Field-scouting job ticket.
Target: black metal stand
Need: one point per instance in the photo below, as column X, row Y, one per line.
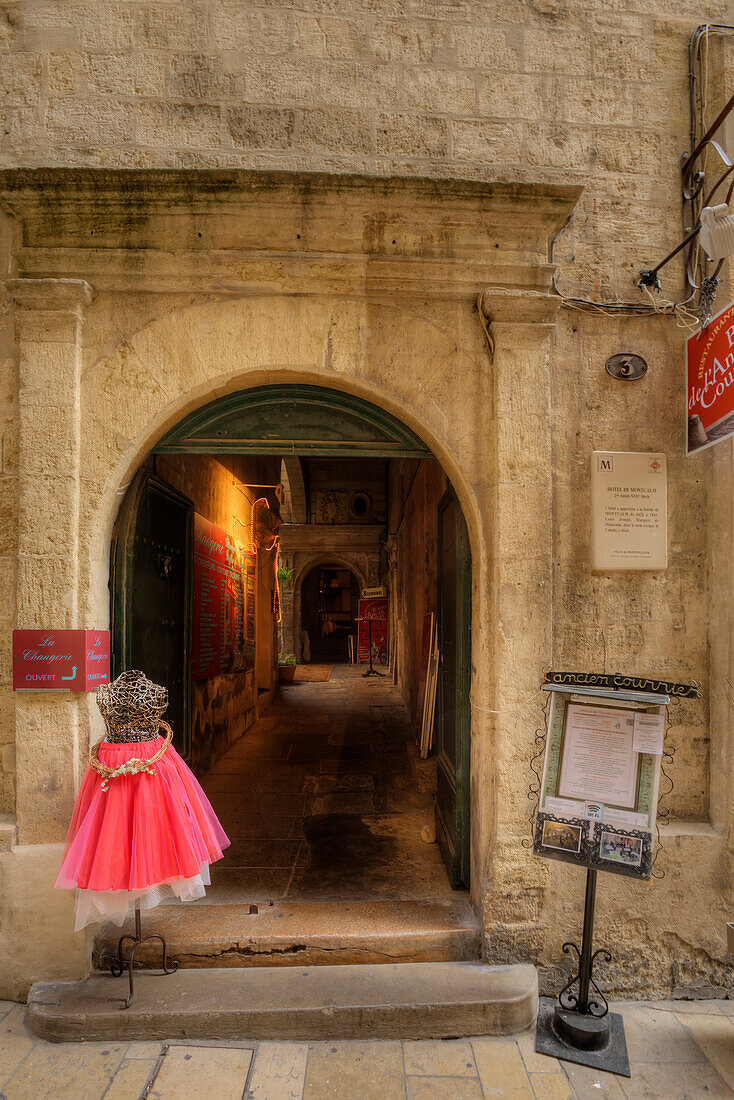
column 371, row 671
column 579, row 1026
column 118, row 965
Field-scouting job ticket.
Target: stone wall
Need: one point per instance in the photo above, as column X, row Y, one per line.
column 345, row 479
column 551, row 93
column 223, row 706
column 541, row 90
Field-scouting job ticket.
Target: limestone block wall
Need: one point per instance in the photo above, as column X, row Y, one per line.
column 541, row 91
column 223, row 706
column 538, row 90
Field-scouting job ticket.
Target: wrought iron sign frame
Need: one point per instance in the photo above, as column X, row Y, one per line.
column 577, row 1024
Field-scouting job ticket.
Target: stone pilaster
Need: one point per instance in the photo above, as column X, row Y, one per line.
column 520, row 603
column 49, row 317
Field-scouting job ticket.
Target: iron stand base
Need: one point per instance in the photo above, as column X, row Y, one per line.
column 119, row 965
column 587, row 1040
column 371, row 671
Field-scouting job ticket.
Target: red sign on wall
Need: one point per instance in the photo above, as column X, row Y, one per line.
column 60, row 660
column 222, row 614
column 710, row 360
column 372, row 612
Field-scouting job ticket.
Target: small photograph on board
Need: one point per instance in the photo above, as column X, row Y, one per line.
column 562, row 836
column 623, row 851
column 617, row 848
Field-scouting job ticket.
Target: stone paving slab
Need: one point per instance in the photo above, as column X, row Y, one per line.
column 449, row 1069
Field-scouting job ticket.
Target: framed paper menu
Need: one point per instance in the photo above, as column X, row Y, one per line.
column 598, row 796
column 599, row 762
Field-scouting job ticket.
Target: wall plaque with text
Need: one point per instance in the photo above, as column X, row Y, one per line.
column 629, row 513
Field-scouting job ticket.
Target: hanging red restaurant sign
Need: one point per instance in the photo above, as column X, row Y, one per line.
column 710, row 364
column 60, row 660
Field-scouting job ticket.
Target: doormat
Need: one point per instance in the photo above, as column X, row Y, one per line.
column 312, row 674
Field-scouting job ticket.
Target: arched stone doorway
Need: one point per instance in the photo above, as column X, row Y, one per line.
column 298, row 563
column 138, row 347
column 236, row 444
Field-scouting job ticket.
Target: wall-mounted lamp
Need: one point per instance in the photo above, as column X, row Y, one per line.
column 717, row 231
column 715, row 223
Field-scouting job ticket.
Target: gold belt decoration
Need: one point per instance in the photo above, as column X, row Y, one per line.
column 133, row 766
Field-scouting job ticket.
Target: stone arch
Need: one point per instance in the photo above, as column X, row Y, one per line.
column 306, row 563
column 416, row 365
column 349, row 561
column 180, row 362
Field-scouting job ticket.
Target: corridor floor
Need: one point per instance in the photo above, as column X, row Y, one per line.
column 322, row 802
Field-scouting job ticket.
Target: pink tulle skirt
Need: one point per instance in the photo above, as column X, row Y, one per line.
column 147, row 836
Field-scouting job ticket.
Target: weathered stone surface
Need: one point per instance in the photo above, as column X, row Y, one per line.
column 430, row 1058
column 180, row 124
column 279, row 1072
column 27, row 875
column 547, row 92
column 73, row 1068
column 261, row 127
column 372, row 1069
column 224, row 1069
column 307, row 934
column 408, row 1000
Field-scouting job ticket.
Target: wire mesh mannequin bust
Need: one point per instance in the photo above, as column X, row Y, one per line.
column 142, row 828
column 132, row 707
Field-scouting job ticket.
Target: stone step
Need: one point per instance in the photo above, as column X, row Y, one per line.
column 304, row 934
column 399, row 1000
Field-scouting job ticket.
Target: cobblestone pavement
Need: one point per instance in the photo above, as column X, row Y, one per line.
column 678, row 1051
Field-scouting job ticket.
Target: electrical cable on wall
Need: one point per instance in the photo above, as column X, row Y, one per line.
column 685, row 318
column 687, row 315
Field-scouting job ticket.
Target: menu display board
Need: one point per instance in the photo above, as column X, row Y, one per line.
column 598, row 761
column 221, row 612
column 598, row 797
column 374, row 611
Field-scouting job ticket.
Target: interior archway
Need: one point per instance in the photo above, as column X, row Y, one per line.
column 329, row 613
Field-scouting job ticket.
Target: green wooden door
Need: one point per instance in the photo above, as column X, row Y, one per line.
column 452, row 701
column 151, row 594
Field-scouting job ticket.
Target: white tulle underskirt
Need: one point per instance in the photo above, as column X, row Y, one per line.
column 93, row 906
